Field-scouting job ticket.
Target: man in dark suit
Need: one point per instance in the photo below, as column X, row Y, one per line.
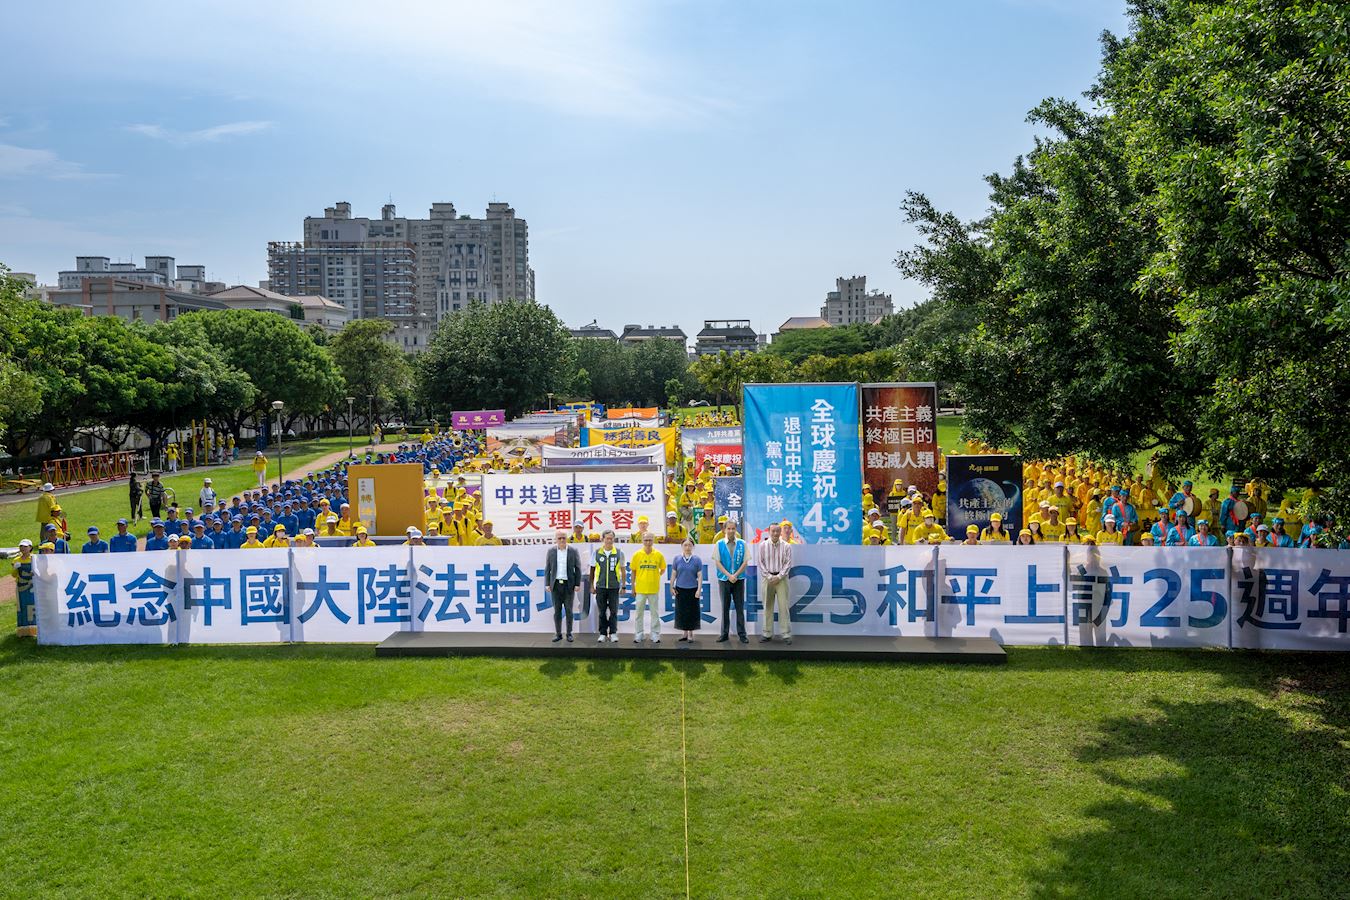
column 563, row 581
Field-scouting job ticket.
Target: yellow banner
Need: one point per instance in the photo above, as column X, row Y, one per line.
column 634, row 437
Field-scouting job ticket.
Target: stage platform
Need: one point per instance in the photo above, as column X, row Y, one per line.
column 703, row 647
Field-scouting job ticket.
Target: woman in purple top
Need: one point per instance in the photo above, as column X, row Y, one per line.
column 686, row 575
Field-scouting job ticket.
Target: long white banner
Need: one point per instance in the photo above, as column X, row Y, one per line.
column 1039, row 596
column 604, row 454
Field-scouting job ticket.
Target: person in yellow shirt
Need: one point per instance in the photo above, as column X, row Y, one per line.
column 707, row 526
column 46, row 502
column 172, row 456
column 643, row 529
column 260, row 468
column 972, row 535
column 1109, row 534
column 648, row 565
column 929, row 531
column 251, row 542
column 675, row 533
column 278, row 538
column 362, row 538
column 346, row 525
column 1071, row 533
column 995, row 533
column 487, row 538
column 1052, row 529
column 939, row 504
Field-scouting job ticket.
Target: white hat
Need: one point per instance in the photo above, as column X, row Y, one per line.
column 1059, row 484
column 25, row 543
column 206, row 481
column 48, row 487
column 308, row 531
column 413, row 529
column 1111, row 519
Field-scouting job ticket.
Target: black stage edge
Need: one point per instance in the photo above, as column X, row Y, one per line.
column 704, row 647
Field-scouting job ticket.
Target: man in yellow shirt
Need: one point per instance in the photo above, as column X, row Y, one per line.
column 674, row 530
column 346, row 525
column 1061, row 501
column 647, row 566
column 939, row 504
column 1052, row 530
column 928, row 531
column 487, row 538
column 46, row 502
column 252, row 542
column 362, row 538
column 643, row 529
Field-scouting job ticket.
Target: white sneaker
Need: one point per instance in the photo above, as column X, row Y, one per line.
column 614, row 638
column 600, row 640
column 657, row 639
column 637, row 638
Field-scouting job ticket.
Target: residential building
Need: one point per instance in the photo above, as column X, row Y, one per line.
column 422, row 269
column 159, row 271
column 731, row 335
column 801, row 323
column 850, row 303
column 636, row 334
column 594, row 332
column 132, row 300
column 329, row 315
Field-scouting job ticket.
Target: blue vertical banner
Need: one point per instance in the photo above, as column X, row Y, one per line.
column 803, row 460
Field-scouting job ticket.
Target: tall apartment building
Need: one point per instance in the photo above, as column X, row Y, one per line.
column 412, row 272
column 158, row 271
column 850, row 303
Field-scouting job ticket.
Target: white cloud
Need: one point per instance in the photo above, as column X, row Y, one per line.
column 34, row 162
column 201, row 135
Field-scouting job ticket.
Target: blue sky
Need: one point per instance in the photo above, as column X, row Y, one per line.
column 676, row 160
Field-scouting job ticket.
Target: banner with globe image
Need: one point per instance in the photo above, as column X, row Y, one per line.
column 978, row 487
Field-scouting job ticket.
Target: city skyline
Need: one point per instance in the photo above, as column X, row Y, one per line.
column 676, row 162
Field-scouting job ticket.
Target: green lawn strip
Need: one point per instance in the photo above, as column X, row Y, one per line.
column 315, row 769
column 104, row 506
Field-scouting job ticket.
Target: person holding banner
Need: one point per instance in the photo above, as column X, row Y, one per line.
column 647, row 565
column 774, row 561
column 562, row 571
column 972, row 536
column 606, row 582
column 22, row 570
column 1202, row 537
column 731, row 562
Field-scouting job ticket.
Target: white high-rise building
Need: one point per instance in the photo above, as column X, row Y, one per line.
column 444, row 263
column 850, row 303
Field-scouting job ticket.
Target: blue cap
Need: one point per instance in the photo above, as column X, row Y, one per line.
column 1115, row 487
column 1187, row 483
column 122, row 522
column 188, row 510
column 1125, row 491
column 196, row 525
column 1230, row 533
column 93, row 529
column 49, row 527
column 156, row 522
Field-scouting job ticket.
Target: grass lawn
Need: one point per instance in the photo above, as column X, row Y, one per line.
column 319, row 770
column 104, row 506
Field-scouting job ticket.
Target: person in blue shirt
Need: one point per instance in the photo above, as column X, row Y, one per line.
column 1253, row 523
column 1202, row 537
column 94, row 544
column 172, row 524
column 199, row 539
column 1127, row 516
column 218, row 535
column 190, row 520
column 235, row 537
column 157, row 539
column 1227, row 517
column 1180, row 534
column 730, row 564
column 1160, row 528
column 307, row 514
column 52, row 536
column 1278, row 536
column 123, row 541
column 288, row 519
column 1179, row 498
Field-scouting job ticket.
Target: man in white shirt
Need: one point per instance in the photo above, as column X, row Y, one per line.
column 207, row 495
column 774, row 561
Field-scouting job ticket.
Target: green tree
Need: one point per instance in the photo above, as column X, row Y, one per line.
column 609, row 369
column 504, row 355
column 1237, row 113
column 20, row 389
column 655, row 363
column 371, row 365
column 282, row 361
column 836, row 341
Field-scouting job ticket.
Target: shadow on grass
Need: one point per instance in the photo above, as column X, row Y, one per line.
column 1218, row 798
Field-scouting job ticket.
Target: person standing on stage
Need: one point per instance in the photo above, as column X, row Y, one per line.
column 562, row 571
column 648, row 565
column 774, row 561
column 731, row 562
column 687, row 576
column 606, row 582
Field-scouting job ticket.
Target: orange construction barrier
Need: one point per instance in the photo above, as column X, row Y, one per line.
column 90, row 468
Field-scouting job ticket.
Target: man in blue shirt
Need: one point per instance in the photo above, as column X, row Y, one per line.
column 157, row 539
column 52, row 536
column 172, row 524
column 1128, row 517
column 218, row 535
column 94, row 544
column 307, row 514
column 288, row 519
column 730, row 565
column 235, row 537
column 199, row 539
column 1228, row 519
column 123, row 541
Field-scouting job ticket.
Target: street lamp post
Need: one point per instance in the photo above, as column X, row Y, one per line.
column 350, row 400
column 550, row 401
column 370, row 417
column 276, row 405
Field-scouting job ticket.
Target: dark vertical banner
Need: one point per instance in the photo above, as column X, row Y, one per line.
column 978, row 487
column 899, row 438
column 803, row 460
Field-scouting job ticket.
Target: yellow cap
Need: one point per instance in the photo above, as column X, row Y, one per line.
column 252, row 529
column 972, row 529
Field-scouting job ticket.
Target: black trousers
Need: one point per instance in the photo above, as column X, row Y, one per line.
column 562, row 600
column 607, row 610
column 733, row 593
column 155, row 507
